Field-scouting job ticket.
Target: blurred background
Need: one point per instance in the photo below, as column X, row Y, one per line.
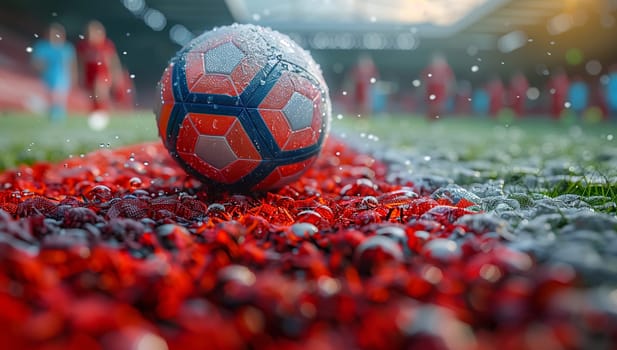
column 486, row 43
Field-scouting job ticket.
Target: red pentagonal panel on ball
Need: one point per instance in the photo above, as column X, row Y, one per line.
column 284, row 175
column 166, row 102
column 279, row 94
column 194, row 68
column 304, row 86
column 241, row 143
column 199, row 81
column 245, row 72
column 238, row 169
column 277, row 124
column 211, row 124
column 301, row 139
column 214, row 84
column 187, row 136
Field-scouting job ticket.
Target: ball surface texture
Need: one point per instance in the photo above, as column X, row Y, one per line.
column 243, row 107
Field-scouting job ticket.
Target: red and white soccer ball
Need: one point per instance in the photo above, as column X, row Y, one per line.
column 243, row 107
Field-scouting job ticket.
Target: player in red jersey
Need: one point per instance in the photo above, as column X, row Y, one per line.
column 439, row 83
column 558, row 85
column 496, row 92
column 99, row 65
column 123, row 91
column 518, row 93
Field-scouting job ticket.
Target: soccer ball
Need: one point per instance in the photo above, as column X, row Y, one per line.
column 243, row 107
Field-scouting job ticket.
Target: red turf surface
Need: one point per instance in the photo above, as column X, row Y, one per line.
column 121, row 250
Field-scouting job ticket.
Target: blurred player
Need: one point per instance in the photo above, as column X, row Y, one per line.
column 123, row 91
column 99, row 65
column 363, row 75
column 496, row 93
column 558, row 87
column 518, row 94
column 438, row 81
column 578, row 95
column 611, row 91
column 463, row 97
column 480, row 102
column 54, row 58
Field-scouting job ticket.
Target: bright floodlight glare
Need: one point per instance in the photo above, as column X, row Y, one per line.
column 320, row 41
column 374, row 41
column 406, row 41
column 560, row 24
column 533, row 93
column 593, row 67
column 155, row 19
column 512, row 41
column 135, row 6
column 435, row 12
column 344, row 41
column 180, row 34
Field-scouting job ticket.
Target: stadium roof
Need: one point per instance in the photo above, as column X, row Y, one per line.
column 439, row 17
column 500, row 36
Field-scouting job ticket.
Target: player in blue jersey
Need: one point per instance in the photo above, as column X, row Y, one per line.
column 54, row 58
column 611, row 91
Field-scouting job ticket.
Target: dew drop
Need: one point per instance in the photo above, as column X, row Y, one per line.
column 135, row 183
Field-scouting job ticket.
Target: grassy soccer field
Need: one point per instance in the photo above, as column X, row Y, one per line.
column 531, row 155
column 27, row 138
column 565, row 158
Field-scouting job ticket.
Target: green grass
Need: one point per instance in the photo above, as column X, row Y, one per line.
column 567, row 157
column 25, row 138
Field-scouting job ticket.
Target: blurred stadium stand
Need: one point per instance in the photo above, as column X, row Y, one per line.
column 499, row 36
